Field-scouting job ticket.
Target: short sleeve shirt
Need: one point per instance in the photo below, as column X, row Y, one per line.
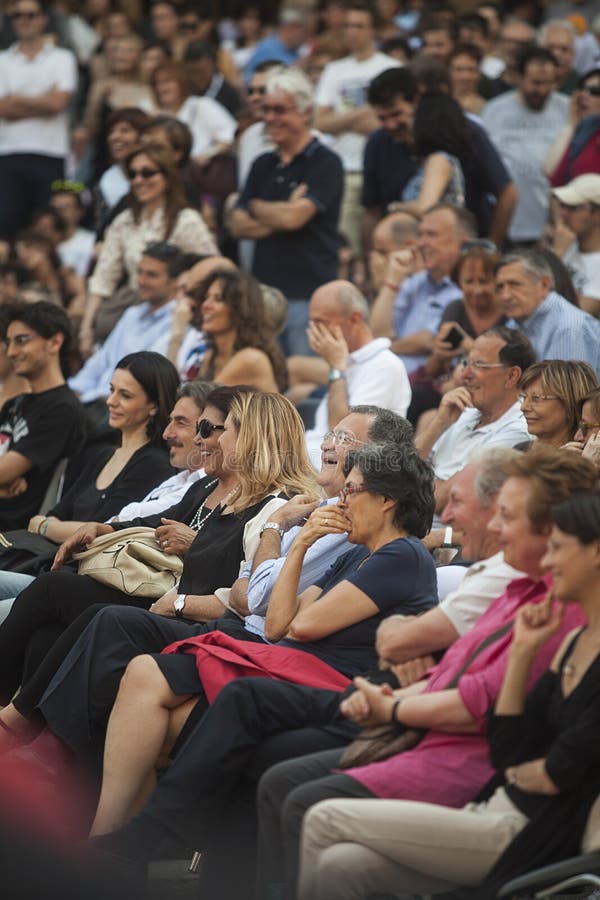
column 298, row 262
column 44, row 428
column 398, row 578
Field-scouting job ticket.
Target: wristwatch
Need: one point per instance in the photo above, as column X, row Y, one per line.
column 335, row 375
column 179, row 605
column 268, row 526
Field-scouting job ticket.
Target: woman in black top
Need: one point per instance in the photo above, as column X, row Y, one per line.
column 545, row 745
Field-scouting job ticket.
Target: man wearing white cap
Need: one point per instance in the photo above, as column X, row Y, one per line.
column 577, row 238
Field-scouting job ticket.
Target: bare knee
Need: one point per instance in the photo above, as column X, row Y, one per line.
column 143, row 676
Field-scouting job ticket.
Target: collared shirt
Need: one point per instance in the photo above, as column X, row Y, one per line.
column 373, row 375
column 53, row 68
column 484, row 581
column 419, row 305
column 137, row 329
column 451, row 450
column 317, row 560
column 559, row 330
column 164, row 496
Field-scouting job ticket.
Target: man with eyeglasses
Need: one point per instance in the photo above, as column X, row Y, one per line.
column 556, row 328
column 40, row 428
column 483, row 412
column 577, row 237
column 37, row 81
column 140, row 327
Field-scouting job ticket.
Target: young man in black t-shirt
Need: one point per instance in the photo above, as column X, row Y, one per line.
column 40, row 428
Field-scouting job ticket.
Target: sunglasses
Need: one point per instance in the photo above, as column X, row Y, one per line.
column 276, row 109
column 257, row 90
column 205, row 428
column 144, row 173
column 592, row 89
column 478, row 244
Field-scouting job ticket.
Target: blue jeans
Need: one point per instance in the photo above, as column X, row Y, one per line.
column 12, row 583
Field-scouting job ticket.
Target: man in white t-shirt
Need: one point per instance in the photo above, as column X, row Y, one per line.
column 37, row 80
column 343, row 111
column 362, row 369
column 523, row 125
column 579, row 233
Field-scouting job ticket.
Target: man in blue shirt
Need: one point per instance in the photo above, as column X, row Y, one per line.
column 556, row 328
column 140, row 326
column 283, row 45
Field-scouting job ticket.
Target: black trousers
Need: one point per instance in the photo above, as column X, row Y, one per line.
column 207, row 794
column 285, row 792
column 54, row 599
column 25, row 185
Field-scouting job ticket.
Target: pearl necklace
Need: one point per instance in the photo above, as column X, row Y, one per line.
column 198, row 522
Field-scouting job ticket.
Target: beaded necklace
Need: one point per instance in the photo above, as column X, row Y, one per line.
column 197, row 522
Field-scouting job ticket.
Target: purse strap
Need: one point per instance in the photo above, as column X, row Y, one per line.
column 494, row 636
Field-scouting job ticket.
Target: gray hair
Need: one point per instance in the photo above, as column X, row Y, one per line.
column 562, row 24
column 534, row 263
column 197, row 391
column 491, row 472
column 294, row 82
column 466, row 223
column 387, row 426
column 351, row 300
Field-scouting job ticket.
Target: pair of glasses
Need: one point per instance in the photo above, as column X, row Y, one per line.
column 477, row 364
column 28, row 16
column 261, row 91
column 144, row 173
column 205, row 428
column 341, row 437
column 349, row 489
column 276, row 109
column 188, row 26
column 586, row 427
column 19, row 340
column 536, row 398
column 478, row 244
column 592, row 89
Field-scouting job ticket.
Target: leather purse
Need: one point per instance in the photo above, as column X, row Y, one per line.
column 132, row 561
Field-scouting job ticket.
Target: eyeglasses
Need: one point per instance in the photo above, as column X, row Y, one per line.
column 592, row 89
column 276, row 109
column 477, row 364
column 349, row 489
column 478, row 244
column 188, row 26
column 19, row 340
column 29, row 16
column 144, row 173
column 536, row 398
column 586, row 427
column 260, row 90
column 205, row 428
column 341, row 437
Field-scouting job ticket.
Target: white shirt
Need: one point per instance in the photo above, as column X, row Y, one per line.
column 484, row 582
column 162, row 497
column 77, row 251
column 209, row 122
column 584, row 269
column 53, row 68
column 374, row 375
column 451, row 450
column 113, row 185
column 343, row 87
column 252, row 143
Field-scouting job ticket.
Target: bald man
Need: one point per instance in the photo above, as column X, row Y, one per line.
column 398, row 231
column 362, row 369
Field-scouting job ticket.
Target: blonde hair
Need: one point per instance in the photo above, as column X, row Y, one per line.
column 569, row 380
column 271, row 449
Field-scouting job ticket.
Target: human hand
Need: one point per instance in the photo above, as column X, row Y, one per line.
column 442, row 347
column 299, row 192
column 86, row 342
column 324, row 520
column 575, row 446
column 591, row 450
column 295, row 511
column 174, row 537
column 535, row 623
column 401, row 264
column 16, row 487
column 164, row 605
column 413, row 670
column 562, row 238
column 82, row 538
column 531, row 777
column 34, row 524
column 453, row 405
column 370, row 704
column 328, row 343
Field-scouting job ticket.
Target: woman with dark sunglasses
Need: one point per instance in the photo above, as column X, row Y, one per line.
column 157, row 211
column 254, row 456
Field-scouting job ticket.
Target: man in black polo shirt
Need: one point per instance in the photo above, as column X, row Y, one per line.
column 290, row 204
column 40, row 428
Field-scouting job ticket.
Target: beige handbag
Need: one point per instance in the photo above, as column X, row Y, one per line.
column 132, row 561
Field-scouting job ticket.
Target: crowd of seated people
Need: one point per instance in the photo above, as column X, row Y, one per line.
column 307, row 299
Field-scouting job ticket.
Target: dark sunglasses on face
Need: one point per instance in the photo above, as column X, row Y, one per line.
column 205, row 428
column 144, row 173
column 592, row 89
column 257, row 90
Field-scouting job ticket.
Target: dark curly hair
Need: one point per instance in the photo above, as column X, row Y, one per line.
column 243, row 296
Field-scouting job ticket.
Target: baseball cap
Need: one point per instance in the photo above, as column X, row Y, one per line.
column 583, row 189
